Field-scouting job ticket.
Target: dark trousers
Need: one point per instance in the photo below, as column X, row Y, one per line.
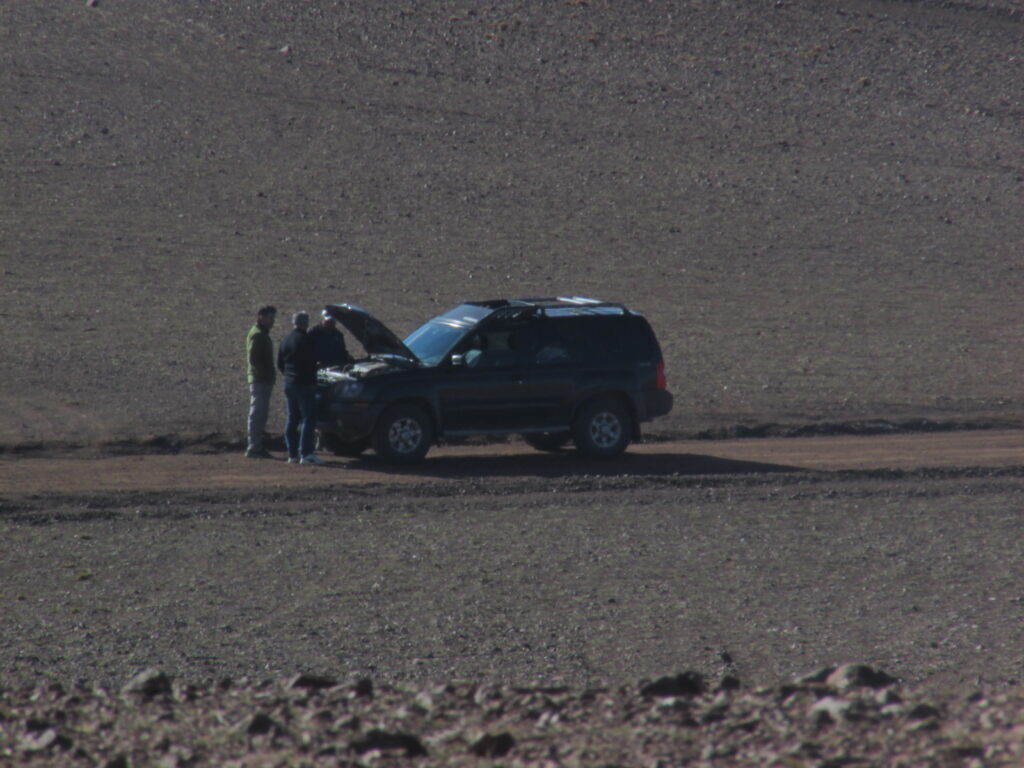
column 300, row 429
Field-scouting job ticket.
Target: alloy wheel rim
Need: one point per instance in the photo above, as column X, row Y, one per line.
column 605, row 429
column 405, row 435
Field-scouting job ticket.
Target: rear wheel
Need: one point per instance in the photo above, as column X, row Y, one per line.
column 547, row 441
column 403, row 434
column 602, row 429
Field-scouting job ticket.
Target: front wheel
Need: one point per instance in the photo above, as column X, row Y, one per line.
column 403, row 434
column 602, row 429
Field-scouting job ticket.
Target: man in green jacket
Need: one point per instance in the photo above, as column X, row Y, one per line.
column 259, row 350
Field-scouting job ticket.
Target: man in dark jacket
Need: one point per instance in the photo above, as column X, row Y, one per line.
column 329, row 343
column 259, row 351
column 297, row 361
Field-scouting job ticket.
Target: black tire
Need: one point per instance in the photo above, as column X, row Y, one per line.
column 602, row 429
column 403, row 434
column 328, row 441
column 547, row 441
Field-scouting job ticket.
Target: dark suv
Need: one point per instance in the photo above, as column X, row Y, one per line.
column 554, row 370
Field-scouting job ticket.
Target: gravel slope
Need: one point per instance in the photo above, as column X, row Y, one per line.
column 581, row 579
column 815, row 202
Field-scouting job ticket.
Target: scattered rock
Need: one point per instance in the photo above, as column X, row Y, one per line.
column 887, row 697
column 833, row 709
column 730, row 683
column 363, row 688
column 892, row 710
column 261, row 724
column 486, row 693
column 38, row 742
column 850, row 676
column 424, row 702
column 148, row 683
column 493, row 745
column 818, row 677
column 684, row 684
column 385, row 741
column 922, row 712
column 812, row 725
column 315, row 682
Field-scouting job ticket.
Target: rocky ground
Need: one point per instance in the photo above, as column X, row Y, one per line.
column 851, row 715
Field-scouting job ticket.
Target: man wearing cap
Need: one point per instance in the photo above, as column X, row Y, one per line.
column 259, row 350
column 297, row 362
column 329, row 343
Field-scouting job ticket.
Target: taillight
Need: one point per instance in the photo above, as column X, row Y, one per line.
column 659, row 376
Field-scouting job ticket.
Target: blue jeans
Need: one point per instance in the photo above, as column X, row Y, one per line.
column 301, row 399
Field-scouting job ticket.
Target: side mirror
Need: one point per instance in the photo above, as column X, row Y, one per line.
column 458, row 361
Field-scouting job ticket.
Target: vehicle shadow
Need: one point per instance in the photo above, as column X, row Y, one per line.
column 568, row 464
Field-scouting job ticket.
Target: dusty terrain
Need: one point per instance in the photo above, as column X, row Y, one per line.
column 816, row 203
column 499, row 562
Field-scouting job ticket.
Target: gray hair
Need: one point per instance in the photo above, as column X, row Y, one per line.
column 301, row 319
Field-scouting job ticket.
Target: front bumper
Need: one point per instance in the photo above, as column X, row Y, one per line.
column 348, row 419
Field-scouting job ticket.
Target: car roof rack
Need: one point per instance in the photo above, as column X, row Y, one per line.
column 581, row 305
column 572, row 305
column 555, row 306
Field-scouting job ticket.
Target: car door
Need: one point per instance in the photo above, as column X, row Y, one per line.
column 558, row 355
column 488, row 392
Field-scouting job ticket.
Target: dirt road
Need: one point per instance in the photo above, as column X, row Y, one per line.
column 221, row 471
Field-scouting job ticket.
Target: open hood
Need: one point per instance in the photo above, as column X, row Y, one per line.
column 376, row 338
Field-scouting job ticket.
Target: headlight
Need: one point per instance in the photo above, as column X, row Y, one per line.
column 348, row 390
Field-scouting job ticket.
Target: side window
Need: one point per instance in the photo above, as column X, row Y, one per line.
column 499, row 346
column 552, row 352
column 594, row 340
column 561, row 341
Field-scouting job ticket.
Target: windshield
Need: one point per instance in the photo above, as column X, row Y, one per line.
column 431, row 341
column 435, row 338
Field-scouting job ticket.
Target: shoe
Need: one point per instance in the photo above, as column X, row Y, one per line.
column 261, row 453
column 311, row 459
column 293, row 459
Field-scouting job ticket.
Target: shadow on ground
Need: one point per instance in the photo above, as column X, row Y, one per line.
column 567, row 465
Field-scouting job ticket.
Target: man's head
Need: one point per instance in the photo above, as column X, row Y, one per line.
column 265, row 316
column 301, row 320
column 326, row 320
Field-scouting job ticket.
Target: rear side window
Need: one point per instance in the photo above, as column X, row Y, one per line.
column 628, row 339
